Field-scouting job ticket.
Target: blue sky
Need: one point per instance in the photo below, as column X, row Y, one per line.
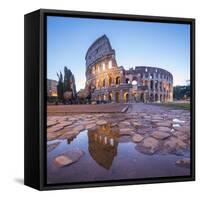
column 136, row 44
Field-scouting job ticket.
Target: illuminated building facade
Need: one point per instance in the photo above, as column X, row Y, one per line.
column 108, row 82
column 51, row 88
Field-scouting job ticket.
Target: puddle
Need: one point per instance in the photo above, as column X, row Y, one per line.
column 107, row 156
column 178, row 121
column 176, row 125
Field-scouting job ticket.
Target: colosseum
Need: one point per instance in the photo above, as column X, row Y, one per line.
column 108, row 82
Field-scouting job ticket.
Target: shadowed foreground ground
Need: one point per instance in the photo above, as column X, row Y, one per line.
column 104, row 143
column 100, row 108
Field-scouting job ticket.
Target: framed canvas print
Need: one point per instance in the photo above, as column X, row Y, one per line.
column 109, row 99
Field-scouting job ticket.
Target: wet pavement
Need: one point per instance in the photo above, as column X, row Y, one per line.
column 147, row 141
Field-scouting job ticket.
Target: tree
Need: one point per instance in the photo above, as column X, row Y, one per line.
column 60, row 87
column 181, row 92
column 66, row 87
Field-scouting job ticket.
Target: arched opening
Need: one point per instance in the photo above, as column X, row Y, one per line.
column 117, row 97
column 161, row 98
column 103, row 83
column 157, row 73
column 151, row 84
column 142, row 97
column 118, row 80
column 127, row 81
column 126, row 97
column 161, row 86
column 151, row 98
column 156, row 97
column 156, row 85
column 110, row 81
column 110, row 96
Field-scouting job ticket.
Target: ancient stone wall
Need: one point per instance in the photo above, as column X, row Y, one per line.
column 107, row 82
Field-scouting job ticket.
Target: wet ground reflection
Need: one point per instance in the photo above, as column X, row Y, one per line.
column 108, row 156
column 102, row 145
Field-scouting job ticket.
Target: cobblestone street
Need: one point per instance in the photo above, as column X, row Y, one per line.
column 152, row 129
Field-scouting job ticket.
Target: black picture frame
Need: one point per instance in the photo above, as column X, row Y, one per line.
column 35, row 67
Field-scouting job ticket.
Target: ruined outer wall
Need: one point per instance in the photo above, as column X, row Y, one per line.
column 158, row 82
column 108, row 82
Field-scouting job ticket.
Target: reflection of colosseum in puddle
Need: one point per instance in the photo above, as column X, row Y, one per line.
column 102, row 145
column 108, row 82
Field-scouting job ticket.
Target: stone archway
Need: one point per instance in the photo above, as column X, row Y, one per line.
column 126, row 97
column 127, row 81
column 110, row 81
column 104, row 83
column 117, row 80
column 161, row 98
column 151, row 85
column 151, row 99
column 156, row 85
column 142, row 97
column 156, row 97
column 110, row 97
column 117, row 95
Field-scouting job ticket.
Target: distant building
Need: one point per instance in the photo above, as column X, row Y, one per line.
column 52, row 88
column 106, row 81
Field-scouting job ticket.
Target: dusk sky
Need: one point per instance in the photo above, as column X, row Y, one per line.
column 135, row 43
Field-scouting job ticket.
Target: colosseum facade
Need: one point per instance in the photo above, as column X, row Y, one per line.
column 108, row 82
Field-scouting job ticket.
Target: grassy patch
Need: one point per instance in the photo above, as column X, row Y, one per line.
column 185, row 106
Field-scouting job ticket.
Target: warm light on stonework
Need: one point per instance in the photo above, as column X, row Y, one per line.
column 103, row 65
column 99, row 68
column 142, row 84
column 54, row 95
column 110, row 64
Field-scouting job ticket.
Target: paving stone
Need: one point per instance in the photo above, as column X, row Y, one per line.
column 68, row 157
column 137, row 138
